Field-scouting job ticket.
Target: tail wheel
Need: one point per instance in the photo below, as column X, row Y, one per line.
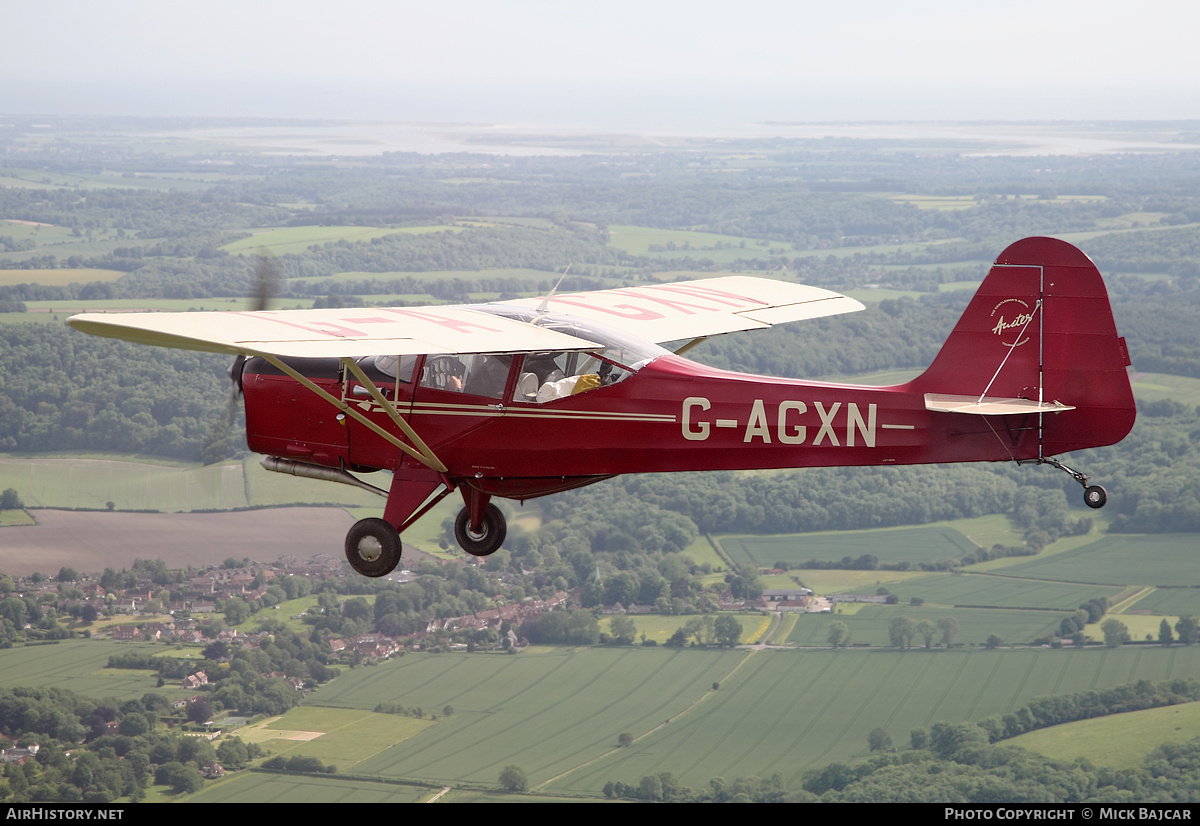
column 484, row 540
column 373, row 547
column 1095, row 496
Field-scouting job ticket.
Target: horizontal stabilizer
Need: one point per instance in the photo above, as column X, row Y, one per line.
column 990, row 405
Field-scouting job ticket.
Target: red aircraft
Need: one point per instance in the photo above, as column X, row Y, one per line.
column 519, row 399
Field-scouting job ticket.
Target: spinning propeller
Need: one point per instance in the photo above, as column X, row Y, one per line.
column 267, row 279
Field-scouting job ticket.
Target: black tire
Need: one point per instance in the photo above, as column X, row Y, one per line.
column 373, row 547
column 490, row 536
column 1095, row 496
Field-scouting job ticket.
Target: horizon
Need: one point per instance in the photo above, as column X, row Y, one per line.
column 629, row 66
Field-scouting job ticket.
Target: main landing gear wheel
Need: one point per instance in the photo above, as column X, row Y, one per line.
column 1095, row 496
column 487, row 539
column 373, row 547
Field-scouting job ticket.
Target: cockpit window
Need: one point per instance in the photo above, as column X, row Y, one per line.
column 396, row 367
column 477, row 374
column 548, row 376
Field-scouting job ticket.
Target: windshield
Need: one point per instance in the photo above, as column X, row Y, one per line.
column 546, row 377
column 617, row 347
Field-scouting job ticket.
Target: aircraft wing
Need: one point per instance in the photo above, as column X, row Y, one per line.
column 657, row 313
column 337, row 333
column 695, row 309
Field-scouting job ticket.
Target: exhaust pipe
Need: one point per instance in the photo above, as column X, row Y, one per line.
column 309, row 471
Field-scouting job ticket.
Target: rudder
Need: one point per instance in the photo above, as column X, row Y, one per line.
column 1040, row 328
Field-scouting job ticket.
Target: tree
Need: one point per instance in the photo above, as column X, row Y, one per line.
column 1115, row 632
column 512, row 779
column 901, row 632
column 949, row 629
column 184, row 779
column 1164, row 633
column 10, row 501
column 879, row 740
column 237, row 611
column 1186, row 629
column 199, row 711
column 993, row 641
column 624, row 739
column 624, row 630
column 839, row 634
column 926, row 628
column 728, row 631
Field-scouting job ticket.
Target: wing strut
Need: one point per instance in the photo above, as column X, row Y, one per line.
column 421, row 453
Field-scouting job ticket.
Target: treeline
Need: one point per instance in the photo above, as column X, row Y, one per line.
column 79, row 760
column 150, row 213
column 958, row 763
column 1043, row 712
column 964, row 768
column 62, row 390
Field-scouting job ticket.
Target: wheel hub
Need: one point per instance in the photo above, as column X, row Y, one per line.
column 369, row 549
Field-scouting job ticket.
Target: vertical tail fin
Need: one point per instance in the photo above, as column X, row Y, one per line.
column 1040, row 328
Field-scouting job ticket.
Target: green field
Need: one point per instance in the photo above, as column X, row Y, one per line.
column 45, row 179
column 999, row 591
column 660, row 628
column 638, row 240
column 532, row 276
column 56, row 278
column 1170, row 601
column 79, row 665
column 1159, row 559
column 346, row 737
column 51, row 481
column 175, row 305
column 293, row 789
column 1137, row 732
column 1152, row 387
column 557, row 714
column 920, row 544
column 540, row 711
column 869, row 624
column 281, row 241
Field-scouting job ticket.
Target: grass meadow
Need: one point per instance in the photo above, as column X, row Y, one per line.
column 55, row 481
column 280, row 241
column 660, row 628
column 557, row 714
column 57, row 277
column 79, row 666
column 336, row 736
column 1153, row 387
column 999, row 591
column 1159, row 559
column 889, row 545
column 261, row 787
column 1121, row 741
column 869, row 624
column 1170, row 601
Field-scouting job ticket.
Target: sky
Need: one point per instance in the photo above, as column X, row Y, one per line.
column 617, row 64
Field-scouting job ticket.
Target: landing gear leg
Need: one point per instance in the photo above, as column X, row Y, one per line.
column 1094, row 496
column 373, row 547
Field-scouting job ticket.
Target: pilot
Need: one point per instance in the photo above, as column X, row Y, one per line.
column 444, row 373
column 488, row 376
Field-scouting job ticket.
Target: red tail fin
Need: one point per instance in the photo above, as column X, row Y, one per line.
column 1040, row 328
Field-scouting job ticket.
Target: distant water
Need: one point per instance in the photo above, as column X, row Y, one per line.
column 364, row 138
